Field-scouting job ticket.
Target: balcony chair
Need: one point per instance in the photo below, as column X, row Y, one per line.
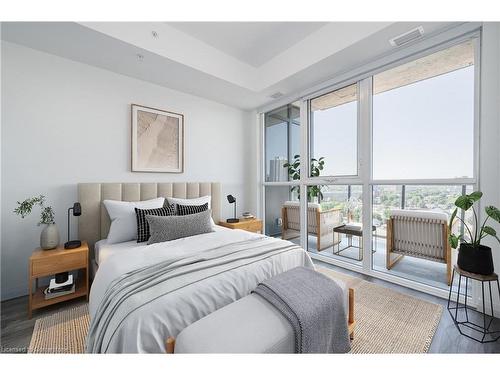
column 419, row 234
column 319, row 223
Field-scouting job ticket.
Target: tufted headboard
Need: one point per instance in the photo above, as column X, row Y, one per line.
column 94, row 223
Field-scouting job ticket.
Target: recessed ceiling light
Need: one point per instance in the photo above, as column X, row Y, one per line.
column 155, row 34
column 140, row 57
column 276, row 95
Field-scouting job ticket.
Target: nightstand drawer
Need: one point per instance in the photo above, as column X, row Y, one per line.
column 252, row 226
column 52, row 264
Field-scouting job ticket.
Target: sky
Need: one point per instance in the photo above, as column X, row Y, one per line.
column 420, row 131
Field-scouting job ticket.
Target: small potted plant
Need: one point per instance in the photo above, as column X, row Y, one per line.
column 49, row 238
column 314, row 191
column 472, row 256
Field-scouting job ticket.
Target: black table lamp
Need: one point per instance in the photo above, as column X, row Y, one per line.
column 77, row 211
column 234, row 219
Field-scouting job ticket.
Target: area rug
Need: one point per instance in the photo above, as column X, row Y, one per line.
column 62, row 332
column 386, row 322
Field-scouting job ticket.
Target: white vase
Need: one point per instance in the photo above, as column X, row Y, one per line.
column 49, row 238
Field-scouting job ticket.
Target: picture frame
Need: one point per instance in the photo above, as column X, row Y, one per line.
column 157, row 140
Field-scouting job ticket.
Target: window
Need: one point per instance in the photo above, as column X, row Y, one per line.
column 278, row 198
column 282, row 141
column 414, row 125
column 423, row 117
column 339, row 205
column 436, row 198
column 334, row 131
column 281, row 144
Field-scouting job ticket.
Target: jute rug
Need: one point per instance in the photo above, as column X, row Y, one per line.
column 62, row 332
column 387, row 322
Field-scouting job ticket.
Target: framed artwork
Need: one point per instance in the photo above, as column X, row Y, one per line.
column 157, row 140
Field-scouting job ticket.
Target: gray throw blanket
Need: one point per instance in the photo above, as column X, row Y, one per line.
column 314, row 306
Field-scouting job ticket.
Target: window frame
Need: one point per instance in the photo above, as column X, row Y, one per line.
column 363, row 76
column 475, row 37
column 310, row 123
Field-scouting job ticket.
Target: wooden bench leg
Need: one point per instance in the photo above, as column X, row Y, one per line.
column 351, row 323
column 170, row 345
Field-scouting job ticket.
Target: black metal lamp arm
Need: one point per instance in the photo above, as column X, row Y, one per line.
column 69, row 209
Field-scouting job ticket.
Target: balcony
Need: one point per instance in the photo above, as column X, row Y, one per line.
column 346, row 199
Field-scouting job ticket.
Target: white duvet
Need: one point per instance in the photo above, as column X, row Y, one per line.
column 147, row 328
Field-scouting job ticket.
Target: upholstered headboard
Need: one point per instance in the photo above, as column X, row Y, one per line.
column 94, row 223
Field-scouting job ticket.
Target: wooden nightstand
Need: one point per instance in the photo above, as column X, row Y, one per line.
column 250, row 225
column 48, row 263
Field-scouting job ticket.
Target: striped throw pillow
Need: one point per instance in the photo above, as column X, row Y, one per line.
column 189, row 210
column 143, row 232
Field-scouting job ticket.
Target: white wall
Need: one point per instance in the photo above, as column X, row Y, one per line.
column 489, row 152
column 64, row 122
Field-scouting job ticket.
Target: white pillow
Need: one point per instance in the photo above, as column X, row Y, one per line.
column 192, row 202
column 123, row 220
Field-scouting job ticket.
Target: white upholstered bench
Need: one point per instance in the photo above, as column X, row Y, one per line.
column 249, row 325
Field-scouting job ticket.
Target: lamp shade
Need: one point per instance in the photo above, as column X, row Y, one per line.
column 77, row 209
column 231, row 200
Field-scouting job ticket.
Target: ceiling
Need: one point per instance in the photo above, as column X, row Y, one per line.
column 238, row 64
column 253, row 43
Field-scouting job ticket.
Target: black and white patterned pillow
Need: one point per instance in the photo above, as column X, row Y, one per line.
column 143, row 232
column 189, row 210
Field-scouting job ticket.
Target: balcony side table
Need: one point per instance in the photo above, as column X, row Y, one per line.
column 485, row 334
column 350, row 230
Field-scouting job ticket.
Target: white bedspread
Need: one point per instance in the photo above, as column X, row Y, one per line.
column 147, row 328
column 103, row 250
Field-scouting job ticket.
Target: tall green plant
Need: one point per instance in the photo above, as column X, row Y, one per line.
column 478, row 232
column 25, row 207
column 317, row 165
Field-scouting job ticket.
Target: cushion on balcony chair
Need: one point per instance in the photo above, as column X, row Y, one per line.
column 420, row 214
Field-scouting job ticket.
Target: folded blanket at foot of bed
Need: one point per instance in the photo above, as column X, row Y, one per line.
column 313, row 304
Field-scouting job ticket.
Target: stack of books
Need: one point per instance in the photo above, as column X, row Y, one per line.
column 59, row 289
column 247, row 216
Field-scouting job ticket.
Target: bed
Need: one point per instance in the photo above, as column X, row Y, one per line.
column 193, row 276
column 136, row 327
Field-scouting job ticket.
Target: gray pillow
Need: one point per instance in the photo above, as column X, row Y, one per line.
column 168, row 228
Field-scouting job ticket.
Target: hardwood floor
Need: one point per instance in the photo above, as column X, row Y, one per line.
column 16, row 328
